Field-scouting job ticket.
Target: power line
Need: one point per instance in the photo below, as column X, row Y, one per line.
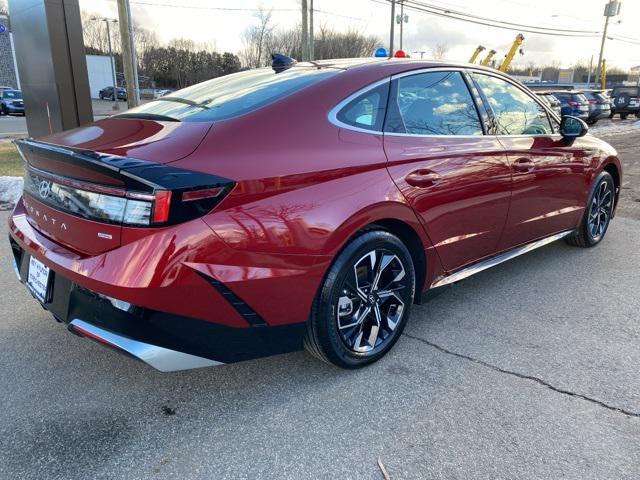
column 457, row 15
column 239, row 9
column 503, row 22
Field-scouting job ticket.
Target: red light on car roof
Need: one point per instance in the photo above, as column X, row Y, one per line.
column 400, row 54
column 161, row 204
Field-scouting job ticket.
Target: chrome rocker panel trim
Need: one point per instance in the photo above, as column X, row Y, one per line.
column 160, row 358
column 498, row 259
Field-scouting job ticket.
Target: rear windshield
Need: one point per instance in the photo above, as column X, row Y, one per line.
column 633, row 91
column 12, row 94
column 231, row 95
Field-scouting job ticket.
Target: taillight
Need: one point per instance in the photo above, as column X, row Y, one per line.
column 120, row 206
column 573, row 104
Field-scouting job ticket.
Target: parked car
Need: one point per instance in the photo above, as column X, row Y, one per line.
column 599, row 105
column 625, row 101
column 308, row 204
column 573, row 103
column 11, row 102
column 551, row 101
column 107, row 93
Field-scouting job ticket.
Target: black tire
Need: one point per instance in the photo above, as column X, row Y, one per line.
column 624, row 116
column 341, row 343
column 637, row 114
column 587, row 235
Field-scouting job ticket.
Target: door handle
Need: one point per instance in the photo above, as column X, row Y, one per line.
column 422, row 178
column 523, row 165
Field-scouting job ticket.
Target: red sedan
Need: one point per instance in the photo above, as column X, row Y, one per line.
column 307, row 204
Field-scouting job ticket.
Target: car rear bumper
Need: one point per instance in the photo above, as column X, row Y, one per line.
column 158, row 323
column 13, row 109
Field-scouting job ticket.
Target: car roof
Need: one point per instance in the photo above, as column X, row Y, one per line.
column 375, row 63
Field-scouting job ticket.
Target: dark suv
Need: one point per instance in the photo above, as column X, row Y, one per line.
column 107, row 93
column 625, row 100
column 599, row 105
column 573, row 103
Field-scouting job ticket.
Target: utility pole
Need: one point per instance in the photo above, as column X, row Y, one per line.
column 589, row 72
column 611, row 9
column 129, row 60
column 312, row 53
column 402, row 19
column 107, row 21
column 305, row 31
column 393, row 24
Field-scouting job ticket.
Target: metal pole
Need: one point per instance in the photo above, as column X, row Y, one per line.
column 305, row 31
column 393, row 24
column 401, row 21
column 128, row 53
column 604, row 37
column 589, row 73
column 113, row 68
column 312, row 53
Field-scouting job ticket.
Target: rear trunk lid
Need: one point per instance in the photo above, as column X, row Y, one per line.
column 160, row 142
column 85, row 186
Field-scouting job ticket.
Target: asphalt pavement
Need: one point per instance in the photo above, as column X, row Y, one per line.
column 528, row 370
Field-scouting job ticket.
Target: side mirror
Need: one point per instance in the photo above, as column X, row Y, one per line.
column 573, row 127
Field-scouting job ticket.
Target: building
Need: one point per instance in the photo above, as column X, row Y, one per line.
column 100, row 71
column 8, row 66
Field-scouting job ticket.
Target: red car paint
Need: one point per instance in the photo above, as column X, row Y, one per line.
column 303, row 187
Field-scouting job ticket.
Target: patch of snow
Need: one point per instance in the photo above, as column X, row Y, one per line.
column 10, row 189
column 617, row 127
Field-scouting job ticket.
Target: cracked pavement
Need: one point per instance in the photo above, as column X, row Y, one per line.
column 527, row 370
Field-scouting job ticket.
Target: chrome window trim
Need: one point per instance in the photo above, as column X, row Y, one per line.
column 333, row 113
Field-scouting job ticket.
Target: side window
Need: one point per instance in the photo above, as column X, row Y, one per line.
column 432, row 103
column 515, row 111
column 367, row 110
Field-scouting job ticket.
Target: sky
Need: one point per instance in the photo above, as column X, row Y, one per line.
column 200, row 21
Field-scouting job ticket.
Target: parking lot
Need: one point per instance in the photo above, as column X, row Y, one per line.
column 528, row 370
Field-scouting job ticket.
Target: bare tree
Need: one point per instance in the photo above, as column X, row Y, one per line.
column 4, row 9
column 439, row 52
column 255, row 40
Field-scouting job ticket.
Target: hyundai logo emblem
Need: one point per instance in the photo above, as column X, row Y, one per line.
column 44, row 189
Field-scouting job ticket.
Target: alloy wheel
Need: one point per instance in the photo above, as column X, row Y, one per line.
column 600, row 210
column 372, row 301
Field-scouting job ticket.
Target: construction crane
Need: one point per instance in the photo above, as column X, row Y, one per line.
column 476, row 53
column 508, row 58
column 485, row 61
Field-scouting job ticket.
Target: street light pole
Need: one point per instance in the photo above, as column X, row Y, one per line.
column 611, row 10
column 305, row 31
column 113, row 62
column 401, row 21
column 393, row 24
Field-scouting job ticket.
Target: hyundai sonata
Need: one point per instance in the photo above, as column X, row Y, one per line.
column 308, row 204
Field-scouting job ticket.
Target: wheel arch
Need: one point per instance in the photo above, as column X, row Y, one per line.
column 612, row 167
column 400, row 220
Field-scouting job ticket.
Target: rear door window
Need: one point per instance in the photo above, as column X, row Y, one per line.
column 515, row 111
column 432, row 103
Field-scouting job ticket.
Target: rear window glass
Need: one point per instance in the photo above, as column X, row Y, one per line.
column 579, row 97
column 232, row 95
column 12, row 94
column 629, row 91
